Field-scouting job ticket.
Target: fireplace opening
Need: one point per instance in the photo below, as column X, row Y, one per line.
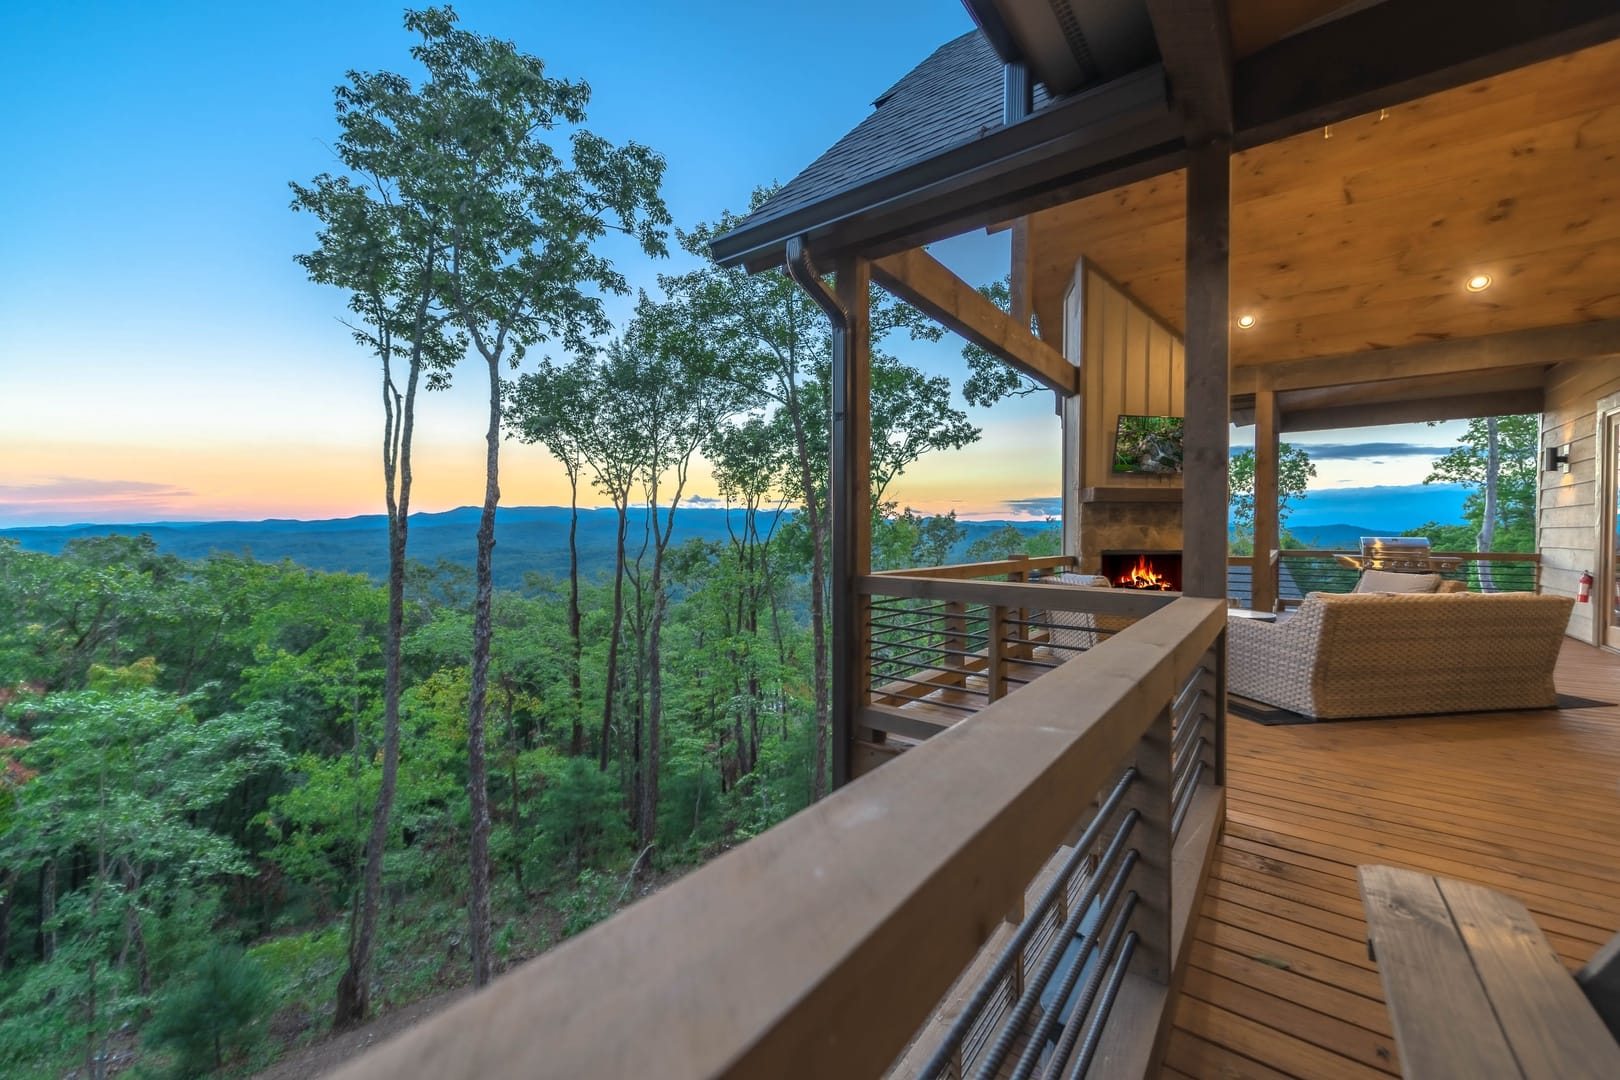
column 1157, row 570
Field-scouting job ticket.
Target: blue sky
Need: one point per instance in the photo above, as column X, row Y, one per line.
column 164, row 357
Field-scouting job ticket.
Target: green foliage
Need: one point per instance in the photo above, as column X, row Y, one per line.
column 579, row 820
column 1010, row 539
column 1148, row 444
column 1295, row 471
column 214, row 1009
column 592, row 899
column 990, row 379
column 1517, row 448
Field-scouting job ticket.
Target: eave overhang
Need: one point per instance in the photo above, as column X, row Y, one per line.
column 1118, row 132
column 1125, row 130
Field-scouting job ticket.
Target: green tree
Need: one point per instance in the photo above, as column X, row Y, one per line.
column 528, row 194
column 385, row 239
column 552, row 407
column 1295, row 471
column 126, row 776
column 1010, row 538
column 990, row 379
column 213, row 1007
column 778, row 349
column 1496, row 460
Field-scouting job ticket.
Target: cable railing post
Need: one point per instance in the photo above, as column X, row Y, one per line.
column 1020, row 630
column 995, row 672
column 1151, row 797
column 954, row 643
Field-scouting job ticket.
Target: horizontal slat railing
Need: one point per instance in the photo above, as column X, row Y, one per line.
column 819, row 947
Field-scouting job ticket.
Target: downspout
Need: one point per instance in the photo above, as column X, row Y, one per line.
column 841, row 513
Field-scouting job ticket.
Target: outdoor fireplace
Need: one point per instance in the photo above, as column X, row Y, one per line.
column 1157, row 570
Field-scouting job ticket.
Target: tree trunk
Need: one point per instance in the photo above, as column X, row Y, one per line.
column 8, row 888
column 354, row 987
column 655, row 704
column 47, row 910
column 610, row 676
column 576, row 743
column 1487, row 525
column 483, row 631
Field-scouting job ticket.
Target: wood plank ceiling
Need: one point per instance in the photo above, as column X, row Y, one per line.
column 1362, row 237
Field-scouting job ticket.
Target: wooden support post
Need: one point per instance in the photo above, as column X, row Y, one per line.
column 995, row 672
column 1267, row 525
column 1150, row 795
column 1216, row 661
column 1207, row 440
column 1021, row 282
column 1071, row 439
column 850, row 506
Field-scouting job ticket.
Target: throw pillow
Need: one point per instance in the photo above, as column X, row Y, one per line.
column 1385, row 581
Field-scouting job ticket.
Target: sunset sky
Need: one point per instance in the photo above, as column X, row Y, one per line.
column 163, row 358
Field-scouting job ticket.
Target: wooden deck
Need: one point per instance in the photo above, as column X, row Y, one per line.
column 1527, row 803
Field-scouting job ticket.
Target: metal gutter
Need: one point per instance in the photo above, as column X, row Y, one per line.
column 841, row 510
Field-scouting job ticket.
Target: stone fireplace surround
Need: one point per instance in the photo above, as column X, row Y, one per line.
column 1127, row 519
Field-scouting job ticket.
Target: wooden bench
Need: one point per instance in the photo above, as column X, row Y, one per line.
column 1474, row 989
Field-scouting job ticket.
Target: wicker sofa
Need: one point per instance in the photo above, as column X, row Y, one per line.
column 1379, row 654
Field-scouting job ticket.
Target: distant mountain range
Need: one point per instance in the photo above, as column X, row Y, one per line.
column 535, row 538
column 527, row 538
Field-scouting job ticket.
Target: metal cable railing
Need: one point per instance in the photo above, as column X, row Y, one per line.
column 1073, row 1026
column 1071, row 883
column 1014, row 1028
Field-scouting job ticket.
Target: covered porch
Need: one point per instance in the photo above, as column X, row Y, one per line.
column 1030, row 767
column 1279, row 982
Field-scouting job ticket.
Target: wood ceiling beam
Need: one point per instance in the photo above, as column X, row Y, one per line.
column 1516, row 348
column 1414, row 389
column 929, row 286
column 1391, row 53
column 1459, row 407
column 1195, row 42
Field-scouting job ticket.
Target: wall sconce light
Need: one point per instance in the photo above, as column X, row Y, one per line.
column 1555, row 458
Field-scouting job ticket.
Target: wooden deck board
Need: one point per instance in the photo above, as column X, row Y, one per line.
column 1525, row 803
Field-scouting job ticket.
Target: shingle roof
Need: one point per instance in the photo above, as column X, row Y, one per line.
column 953, row 97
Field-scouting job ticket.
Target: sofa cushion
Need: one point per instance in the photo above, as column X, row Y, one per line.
column 1095, row 581
column 1384, row 581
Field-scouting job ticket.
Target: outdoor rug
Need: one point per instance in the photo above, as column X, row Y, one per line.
column 1271, row 716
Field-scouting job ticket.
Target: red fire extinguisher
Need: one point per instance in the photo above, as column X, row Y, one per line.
column 1584, row 593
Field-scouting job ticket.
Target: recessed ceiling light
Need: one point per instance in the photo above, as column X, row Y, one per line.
column 1245, row 321
column 1479, row 283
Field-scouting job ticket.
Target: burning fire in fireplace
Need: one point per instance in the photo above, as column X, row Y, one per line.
column 1143, row 575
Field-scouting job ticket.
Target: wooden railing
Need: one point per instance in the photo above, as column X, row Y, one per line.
column 823, row 946
column 952, row 642
column 1306, row 571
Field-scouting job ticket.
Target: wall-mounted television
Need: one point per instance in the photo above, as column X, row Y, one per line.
column 1150, row 445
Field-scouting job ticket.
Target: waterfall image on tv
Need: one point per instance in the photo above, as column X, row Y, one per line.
column 1148, row 444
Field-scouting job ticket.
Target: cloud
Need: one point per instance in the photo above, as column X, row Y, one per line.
column 1355, row 451
column 56, row 488
column 1050, row 505
column 63, row 499
column 704, row 501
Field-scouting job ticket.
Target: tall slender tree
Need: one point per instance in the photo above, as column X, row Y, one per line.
column 778, row 350
column 552, row 407
column 530, row 194
column 385, row 239
column 682, row 397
